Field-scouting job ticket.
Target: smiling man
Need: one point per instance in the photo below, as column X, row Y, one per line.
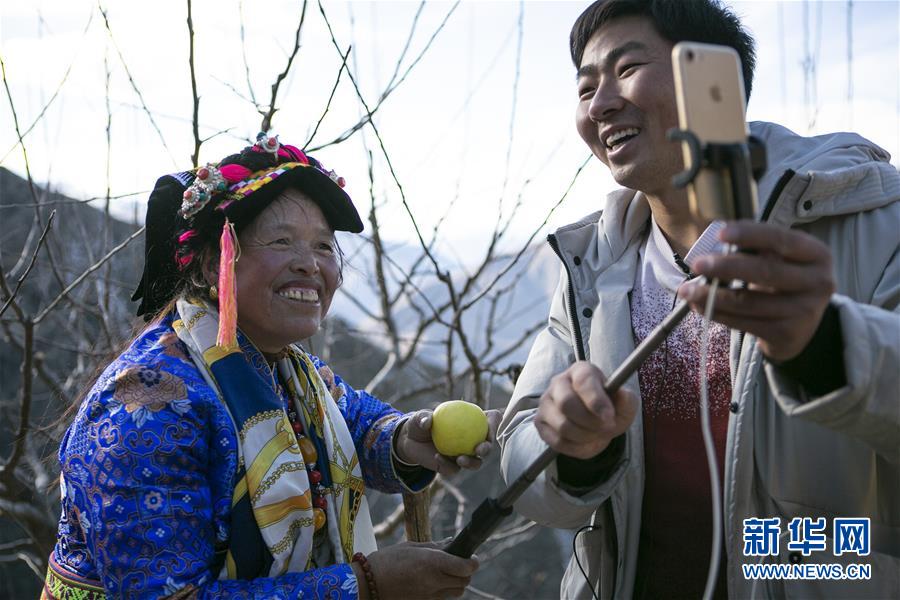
column 802, row 362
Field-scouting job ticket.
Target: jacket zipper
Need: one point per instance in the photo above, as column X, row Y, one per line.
column 570, row 295
column 570, row 299
column 766, row 213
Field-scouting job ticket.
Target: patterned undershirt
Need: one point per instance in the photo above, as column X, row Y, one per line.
column 676, row 525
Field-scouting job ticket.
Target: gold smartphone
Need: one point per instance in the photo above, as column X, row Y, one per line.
column 709, row 90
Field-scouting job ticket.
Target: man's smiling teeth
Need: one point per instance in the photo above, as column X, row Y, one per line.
column 302, row 295
column 620, row 136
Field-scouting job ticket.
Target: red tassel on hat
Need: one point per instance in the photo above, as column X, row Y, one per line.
column 227, row 336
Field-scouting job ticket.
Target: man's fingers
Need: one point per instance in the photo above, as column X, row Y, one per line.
column 576, row 416
column 568, row 416
column 570, row 437
column 748, row 303
column 626, row 404
column 587, row 383
column 582, row 449
column 767, row 270
column 562, row 403
column 764, row 328
column 794, row 245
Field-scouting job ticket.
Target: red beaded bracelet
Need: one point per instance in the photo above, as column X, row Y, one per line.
column 360, row 558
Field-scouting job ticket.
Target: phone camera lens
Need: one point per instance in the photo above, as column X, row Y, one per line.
column 690, row 55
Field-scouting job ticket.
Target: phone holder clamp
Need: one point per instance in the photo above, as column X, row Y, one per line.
column 741, row 161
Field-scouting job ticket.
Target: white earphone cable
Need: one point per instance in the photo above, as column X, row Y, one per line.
column 715, row 485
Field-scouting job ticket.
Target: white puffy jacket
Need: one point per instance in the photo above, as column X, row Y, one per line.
column 787, row 455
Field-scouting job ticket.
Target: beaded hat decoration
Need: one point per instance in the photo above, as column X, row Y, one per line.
column 208, row 181
column 188, row 210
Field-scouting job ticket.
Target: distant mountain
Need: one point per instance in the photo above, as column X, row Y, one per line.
column 531, row 283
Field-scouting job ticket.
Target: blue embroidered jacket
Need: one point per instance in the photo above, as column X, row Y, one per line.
column 148, row 471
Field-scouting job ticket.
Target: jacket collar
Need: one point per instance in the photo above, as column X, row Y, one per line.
column 831, row 175
column 602, row 238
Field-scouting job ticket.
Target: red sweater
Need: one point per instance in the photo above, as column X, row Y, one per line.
column 676, row 520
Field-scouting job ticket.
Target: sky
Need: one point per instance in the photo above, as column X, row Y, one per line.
column 484, row 120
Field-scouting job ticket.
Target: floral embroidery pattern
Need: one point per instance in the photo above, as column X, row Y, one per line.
column 336, row 390
column 152, row 484
column 143, row 391
column 351, row 586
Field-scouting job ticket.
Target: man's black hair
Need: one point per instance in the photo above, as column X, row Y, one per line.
column 705, row 21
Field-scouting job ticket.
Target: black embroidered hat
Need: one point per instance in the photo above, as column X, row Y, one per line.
column 187, row 210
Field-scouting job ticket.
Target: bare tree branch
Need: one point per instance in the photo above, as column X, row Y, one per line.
column 460, row 501
column 237, row 92
column 98, row 310
column 382, row 373
column 134, row 86
column 390, row 524
column 406, row 45
column 11, row 297
column 383, row 149
column 29, row 559
column 15, row 545
column 378, row 259
column 531, row 237
column 450, row 126
column 30, row 179
column 90, row 270
column 75, row 202
column 367, row 118
column 195, row 99
column 337, row 80
column 49, row 380
column 107, row 218
column 515, row 100
column 482, row 594
column 244, row 55
column 59, row 87
column 7, row 468
column 267, row 116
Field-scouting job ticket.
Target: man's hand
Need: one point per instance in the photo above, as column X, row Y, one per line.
column 577, row 418
column 414, row 445
column 789, row 282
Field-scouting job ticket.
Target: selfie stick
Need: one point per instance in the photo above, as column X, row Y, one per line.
column 741, row 161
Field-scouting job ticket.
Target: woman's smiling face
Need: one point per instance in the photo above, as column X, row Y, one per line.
column 287, row 274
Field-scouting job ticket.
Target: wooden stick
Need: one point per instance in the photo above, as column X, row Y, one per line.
column 415, row 516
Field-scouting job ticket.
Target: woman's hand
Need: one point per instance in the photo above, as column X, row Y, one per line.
column 414, row 446
column 418, row 570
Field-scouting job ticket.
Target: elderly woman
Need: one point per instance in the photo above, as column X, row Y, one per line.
column 214, row 457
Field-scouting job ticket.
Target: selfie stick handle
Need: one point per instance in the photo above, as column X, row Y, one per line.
column 489, row 513
column 742, row 161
